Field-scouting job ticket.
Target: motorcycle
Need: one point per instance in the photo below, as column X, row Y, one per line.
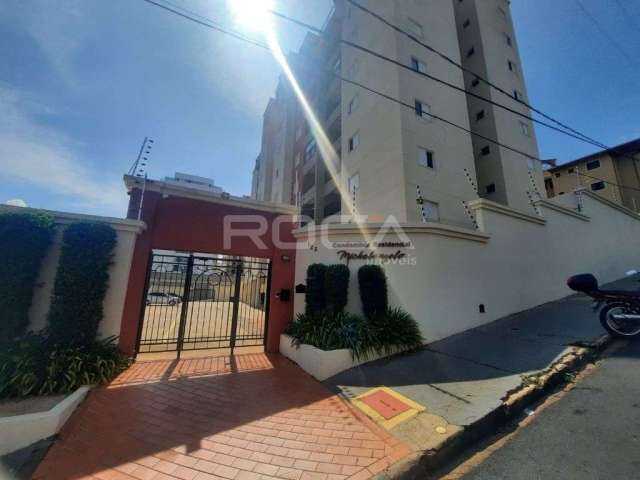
column 620, row 315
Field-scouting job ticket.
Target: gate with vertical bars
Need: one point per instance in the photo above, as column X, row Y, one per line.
column 201, row 302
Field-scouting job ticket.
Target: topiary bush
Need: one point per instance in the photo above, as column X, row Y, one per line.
column 336, row 287
column 373, row 290
column 81, row 283
column 315, row 301
column 24, row 241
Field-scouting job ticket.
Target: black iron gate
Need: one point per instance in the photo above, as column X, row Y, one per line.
column 198, row 302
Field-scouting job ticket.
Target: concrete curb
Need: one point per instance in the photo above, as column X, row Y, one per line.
column 20, row 431
column 419, row 464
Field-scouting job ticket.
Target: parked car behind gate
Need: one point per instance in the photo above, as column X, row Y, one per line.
column 161, row 298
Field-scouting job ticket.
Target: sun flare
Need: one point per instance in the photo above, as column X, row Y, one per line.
column 252, row 14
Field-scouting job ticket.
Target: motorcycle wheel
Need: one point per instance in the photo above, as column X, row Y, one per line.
column 619, row 328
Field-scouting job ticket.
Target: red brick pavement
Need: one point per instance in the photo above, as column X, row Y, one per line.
column 250, row 417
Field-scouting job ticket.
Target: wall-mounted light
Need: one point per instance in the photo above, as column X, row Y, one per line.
column 285, row 258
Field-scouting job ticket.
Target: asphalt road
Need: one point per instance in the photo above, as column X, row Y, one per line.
column 591, row 433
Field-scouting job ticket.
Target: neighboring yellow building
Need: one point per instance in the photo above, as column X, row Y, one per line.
column 613, row 174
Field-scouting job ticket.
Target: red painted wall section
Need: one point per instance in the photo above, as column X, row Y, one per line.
column 184, row 224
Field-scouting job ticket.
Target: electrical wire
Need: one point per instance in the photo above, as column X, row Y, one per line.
column 432, row 77
column 607, row 181
column 484, row 80
column 604, row 32
column 471, row 72
column 208, row 23
column 630, row 18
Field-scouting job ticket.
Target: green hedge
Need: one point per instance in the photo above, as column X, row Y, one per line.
column 81, row 282
column 336, row 287
column 24, row 241
column 373, row 290
column 315, row 301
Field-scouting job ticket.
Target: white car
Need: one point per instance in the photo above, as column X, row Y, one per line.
column 160, row 298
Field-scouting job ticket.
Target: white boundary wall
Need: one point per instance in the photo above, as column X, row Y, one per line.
column 514, row 262
column 127, row 232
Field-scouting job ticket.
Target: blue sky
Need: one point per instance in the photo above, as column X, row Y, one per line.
column 83, row 81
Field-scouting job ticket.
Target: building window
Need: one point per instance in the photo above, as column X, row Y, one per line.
column 491, row 188
column 425, row 158
column 531, row 163
column 571, row 170
column 475, row 82
column 277, row 172
column 512, row 66
column 418, row 66
column 518, row 95
column 354, row 142
column 558, row 175
column 485, row 151
column 507, row 39
column 593, row 165
column 480, row 115
column 309, row 150
column 415, row 28
column 470, row 52
column 503, row 12
column 431, row 211
column 353, row 104
column 337, row 65
column 597, row 186
column 354, row 182
column 524, row 129
column 466, row 23
column 299, row 131
column 423, row 110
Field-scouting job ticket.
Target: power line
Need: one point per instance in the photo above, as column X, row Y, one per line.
column 609, row 182
column 466, row 70
column 586, row 138
column 627, row 14
column 208, row 23
column 434, row 78
column 604, row 32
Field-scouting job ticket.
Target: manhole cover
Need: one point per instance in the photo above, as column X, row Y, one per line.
column 385, row 404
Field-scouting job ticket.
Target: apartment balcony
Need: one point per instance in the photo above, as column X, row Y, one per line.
column 309, row 165
column 334, row 113
column 334, row 90
column 309, row 196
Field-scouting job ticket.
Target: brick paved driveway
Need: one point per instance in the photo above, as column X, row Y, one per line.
column 249, row 417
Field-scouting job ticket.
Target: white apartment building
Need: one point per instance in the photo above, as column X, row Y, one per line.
column 387, row 151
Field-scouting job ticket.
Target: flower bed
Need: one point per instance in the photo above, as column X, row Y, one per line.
column 321, row 364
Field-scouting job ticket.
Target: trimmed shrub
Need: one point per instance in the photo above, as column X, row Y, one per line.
column 33, row 365
column 332, row 332
column 373, row 290
column 394, row 331
column 336, row 287
column 315, row 301
column 24, row 241
column 81, row 283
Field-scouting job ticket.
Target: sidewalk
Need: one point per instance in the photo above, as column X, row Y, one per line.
column 463, row 379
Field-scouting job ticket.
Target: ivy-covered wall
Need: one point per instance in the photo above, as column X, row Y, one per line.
column 81, row 282
column 25, row 238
